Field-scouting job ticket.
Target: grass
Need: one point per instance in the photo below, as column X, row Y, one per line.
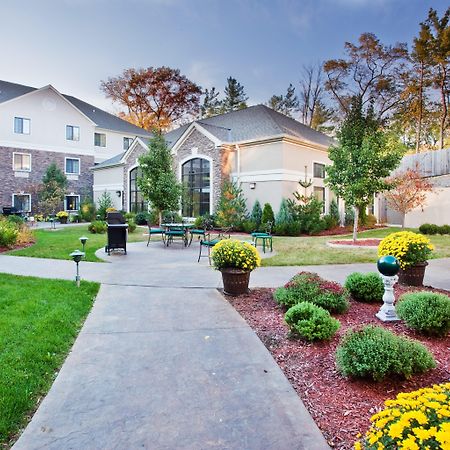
column 39, row 321
column 60, row 243
column 312, row 250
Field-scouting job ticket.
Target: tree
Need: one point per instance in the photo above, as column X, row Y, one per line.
column 285, row 104
column 370, row 72
column 256, row 214
column 231, row 210
column 409, row 191
column 104, row 202
column 211, row 105
column 52, row 190
column 268, row 216
column 362, row 159
column 154, row 98
column 235, row 97
column 158, row 182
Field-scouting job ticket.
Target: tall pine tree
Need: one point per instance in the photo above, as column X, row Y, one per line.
column 235, row 97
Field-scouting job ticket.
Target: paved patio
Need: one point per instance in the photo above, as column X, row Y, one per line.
column 164, row 362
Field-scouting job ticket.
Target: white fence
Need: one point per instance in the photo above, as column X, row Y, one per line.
column 429, row 164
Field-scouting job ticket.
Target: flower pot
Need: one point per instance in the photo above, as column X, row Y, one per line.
column 62, row 220
column 235, row 281
column 413, row 275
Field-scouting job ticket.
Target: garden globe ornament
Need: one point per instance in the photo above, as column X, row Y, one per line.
column 76, row 256
column 388, row 266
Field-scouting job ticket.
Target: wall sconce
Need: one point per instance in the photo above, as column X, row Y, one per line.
column 119, row 193
column 252, row 185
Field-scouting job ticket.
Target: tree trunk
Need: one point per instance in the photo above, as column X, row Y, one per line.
column 160, row 217
column 444, row 108
column 403, row 220
column 355, row 223
column 419, row 119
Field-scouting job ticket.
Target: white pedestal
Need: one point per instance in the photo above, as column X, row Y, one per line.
column 387, row 312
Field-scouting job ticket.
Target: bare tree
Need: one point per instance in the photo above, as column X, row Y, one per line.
column 311, row 92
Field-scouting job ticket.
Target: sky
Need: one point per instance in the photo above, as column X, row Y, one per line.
column 74, row 44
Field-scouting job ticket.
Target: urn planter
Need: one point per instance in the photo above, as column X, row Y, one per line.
column 413, row 275
column 235, row 281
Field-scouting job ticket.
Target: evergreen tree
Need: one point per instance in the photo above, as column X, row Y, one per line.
column 362, row 160
column 334, row 212
column 211, row 105
column 104, row 202
column 235, row 97
column 268, row 216
column 286, row 104
column 158, row 182
column 231, row 210
column 256, row 214
column 52, row 192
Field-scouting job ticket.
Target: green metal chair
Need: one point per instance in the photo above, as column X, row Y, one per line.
column 211, row 239
column 200, row 232
column 264, row 236
column 174, row 232
column 154, row 231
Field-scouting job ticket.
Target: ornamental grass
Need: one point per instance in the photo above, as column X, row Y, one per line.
column 408, row 247
column 231, row 253
column 412, row 421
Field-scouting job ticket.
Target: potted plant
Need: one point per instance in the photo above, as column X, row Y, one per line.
column 235, row 260
column 412, row 251
column 62, row 216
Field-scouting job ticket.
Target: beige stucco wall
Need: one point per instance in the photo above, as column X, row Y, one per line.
column 109, row 180
column 436, row 210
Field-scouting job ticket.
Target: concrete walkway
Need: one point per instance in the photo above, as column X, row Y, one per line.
column 164, row 362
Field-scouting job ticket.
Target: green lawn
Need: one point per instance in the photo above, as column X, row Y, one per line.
column 60, row 243
column 39, row 321
column 293, row 251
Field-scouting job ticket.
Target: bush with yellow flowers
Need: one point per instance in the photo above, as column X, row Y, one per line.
column 234, row 253
column 408, row 247
column 412, row 421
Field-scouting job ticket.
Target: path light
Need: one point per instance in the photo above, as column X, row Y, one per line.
column 76, row 256
column 83, row 240
column 388, row 266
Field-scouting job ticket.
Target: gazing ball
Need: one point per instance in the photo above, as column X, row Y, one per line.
column 388, row 265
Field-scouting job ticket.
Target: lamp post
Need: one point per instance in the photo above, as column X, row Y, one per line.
column 388, row 266
column 76, row 256
column 83, row 240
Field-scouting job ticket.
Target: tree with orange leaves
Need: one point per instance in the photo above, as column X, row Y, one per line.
column 409, row 191
column 154, row 98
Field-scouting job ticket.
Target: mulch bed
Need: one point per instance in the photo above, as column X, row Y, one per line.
column 359, row 242
column 16, row 247
column 341, row 407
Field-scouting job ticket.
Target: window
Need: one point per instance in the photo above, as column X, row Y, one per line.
column 137, row 202
column 22, row 162
column 21, row 125
column 319, row 193
column 196, row 179
column 72, row 202
column 127, row 142
column 73, row 166
column 100, row 139
column 319, row 170
column 72, row 133
column 22, row 202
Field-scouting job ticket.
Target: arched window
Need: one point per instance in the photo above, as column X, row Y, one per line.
column 137, row 202
column 196, row 179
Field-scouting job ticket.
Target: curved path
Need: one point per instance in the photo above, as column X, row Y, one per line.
column 164, row 362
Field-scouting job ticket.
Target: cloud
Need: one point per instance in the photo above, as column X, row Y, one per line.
column 204, row 73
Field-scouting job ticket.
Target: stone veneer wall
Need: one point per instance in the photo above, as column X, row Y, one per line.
column 130, row 163
column 40, row 160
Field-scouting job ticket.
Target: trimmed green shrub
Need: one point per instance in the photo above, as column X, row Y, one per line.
column 97, row 227
column 365, row 287
column 15, row 220
column 311, row 322
column 141, row 218
column 444, row 229
column 248, row 226
column 309, row 287
column 328, row 222
column 256, row 214
column 267, row 215
column 426, row 312
column 429, row 228
column 373, row 352
column 9, row 233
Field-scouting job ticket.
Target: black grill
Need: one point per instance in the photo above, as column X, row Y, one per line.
column 117, row 232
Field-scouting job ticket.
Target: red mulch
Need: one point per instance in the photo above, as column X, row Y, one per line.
column 16, row 247
column 344, row 230
column 359, row 242
column 341, row 407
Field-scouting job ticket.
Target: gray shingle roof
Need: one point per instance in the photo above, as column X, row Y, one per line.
column 102, row 118
column 110, row 162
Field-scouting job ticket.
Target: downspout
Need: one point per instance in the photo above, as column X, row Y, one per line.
column 238, row 163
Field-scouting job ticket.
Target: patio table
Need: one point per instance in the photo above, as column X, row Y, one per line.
column 171, row 229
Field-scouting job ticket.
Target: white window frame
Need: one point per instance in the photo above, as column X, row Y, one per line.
column 324, row 201
column 22, row 195
column 324, row 166
column 65, row 202
column 13, row 164
column 65, row 166
column 73, row 127
column 100, row 134
column 22, row 119
column 129, row 140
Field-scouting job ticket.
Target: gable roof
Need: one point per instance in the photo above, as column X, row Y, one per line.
column 102, row 119
column 114, row 161
column 251, row 124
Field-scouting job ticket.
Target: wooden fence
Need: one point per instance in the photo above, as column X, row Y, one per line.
column 429, row 164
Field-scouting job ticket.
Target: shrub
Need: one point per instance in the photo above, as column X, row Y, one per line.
column 8, row 233
column 309, row 287
column 408, row 247
column 365, row 287
column 231, row 210
column 141, row 218
column 334, row 212
column 267, row 215
column 105, row 202
column 97, row 227
column 130, row 216
column 87, row 211
column 418, row 417
column 309, row 216
column 328, row 222
column 248, row 226
column 233, row 253
column 256, row 214
column 373, row 352
column 75, row 218
column 131, row 226
column 426, row 312
column 284, row 222
column 311, row 322
column 444, row 229
column 371, row 220
column 16, row 220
